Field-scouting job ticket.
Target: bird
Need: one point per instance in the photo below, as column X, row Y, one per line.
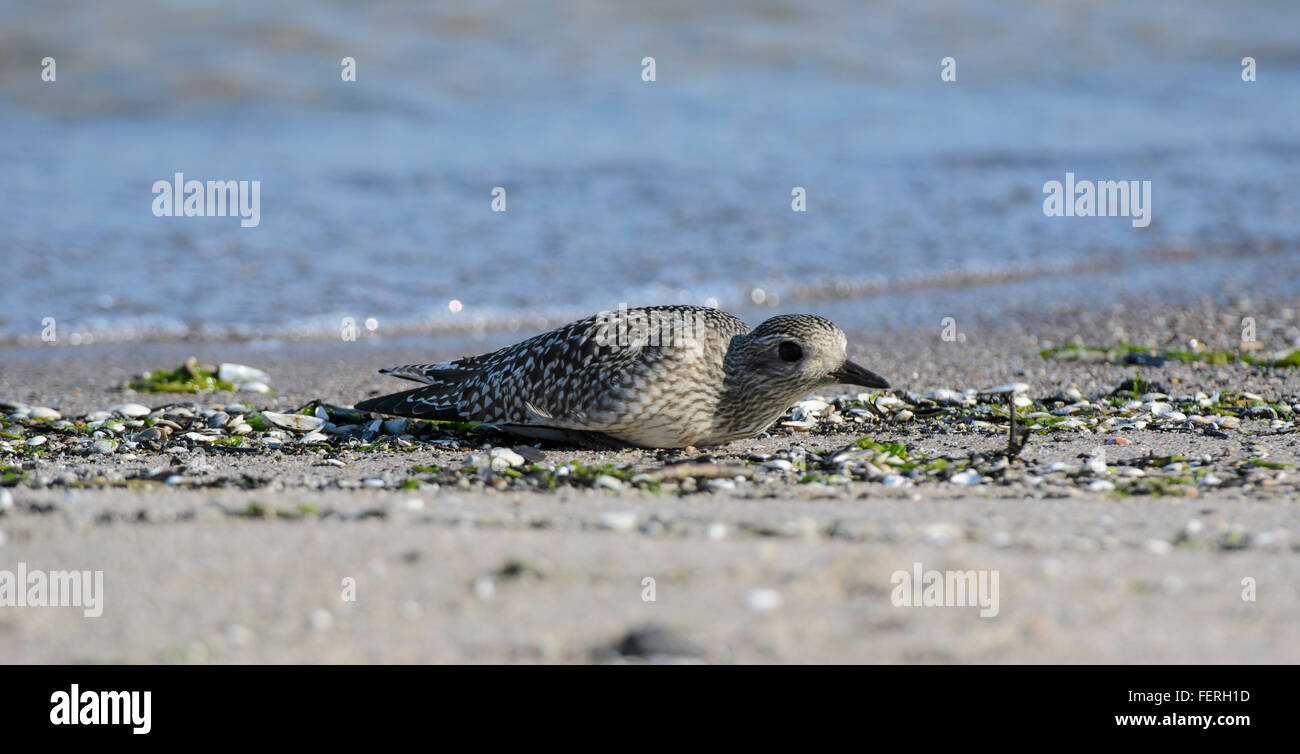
column 648, row 377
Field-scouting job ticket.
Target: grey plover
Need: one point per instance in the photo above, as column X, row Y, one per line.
column 654, row 377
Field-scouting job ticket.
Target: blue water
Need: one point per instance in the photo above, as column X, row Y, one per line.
column 924, row 197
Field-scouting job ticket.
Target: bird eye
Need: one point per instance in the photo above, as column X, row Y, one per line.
column 790, row 351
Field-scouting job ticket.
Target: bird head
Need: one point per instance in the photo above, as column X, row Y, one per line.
column 793, row 354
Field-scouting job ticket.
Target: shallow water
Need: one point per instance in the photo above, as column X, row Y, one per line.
column 924, row 198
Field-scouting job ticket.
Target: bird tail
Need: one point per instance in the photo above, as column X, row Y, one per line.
column 436, row 402
column 429, row 374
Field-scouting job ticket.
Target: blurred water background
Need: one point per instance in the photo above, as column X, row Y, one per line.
column 924, row 198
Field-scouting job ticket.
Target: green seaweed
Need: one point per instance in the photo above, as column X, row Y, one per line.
column 1218, row 358
column 897, row 449
column 189, row 377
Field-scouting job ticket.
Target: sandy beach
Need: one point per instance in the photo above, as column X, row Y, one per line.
column 416, row 548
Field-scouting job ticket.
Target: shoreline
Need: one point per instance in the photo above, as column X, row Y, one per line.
column 228, row 555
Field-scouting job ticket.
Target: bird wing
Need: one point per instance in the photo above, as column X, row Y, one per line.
column 570, row 378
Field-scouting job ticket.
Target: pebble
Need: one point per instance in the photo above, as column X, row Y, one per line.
column 530, row 453
column 764, row 600
column 131, row 410
column 778, row 464
column 894, row 480
column 396, row 426
column 943, row 533
column 617, row 520
column 968, row 477
column 1158, row 547
column 152, row 434
column 320, row 619
column 237, row 636
column 717, row 531
column 505, row 458
column 607, row 482
column 102, row 447
column 1102, row 485
column 218, row 419
column 35, row 442
column 373, row 482
column 1228, row 422
column 654, row 641
column 45, row 414
column 484, row 587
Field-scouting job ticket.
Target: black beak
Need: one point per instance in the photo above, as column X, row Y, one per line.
column 852, row 374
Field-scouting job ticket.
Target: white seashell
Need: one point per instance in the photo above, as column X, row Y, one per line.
column 240, row 373
column 293, row 422
column 1010, row 387
column 131, row 410
column 605, row 481
column 813, row 406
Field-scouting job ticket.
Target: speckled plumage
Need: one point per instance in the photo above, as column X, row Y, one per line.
column 660, row 377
